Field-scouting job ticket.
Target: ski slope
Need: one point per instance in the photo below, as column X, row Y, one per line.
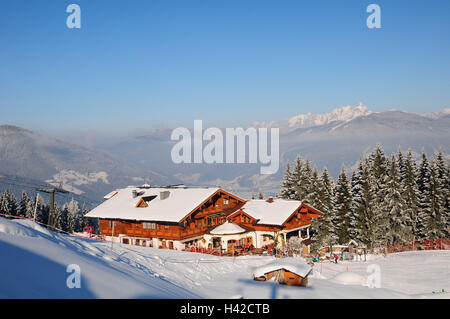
column 34, row 260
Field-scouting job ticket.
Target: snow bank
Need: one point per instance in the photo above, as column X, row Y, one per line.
column 294, row 265
column 16, row 229
column 35, row 226
column 349, row 278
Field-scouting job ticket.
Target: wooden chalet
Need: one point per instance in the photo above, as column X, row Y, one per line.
column 286, row 271
column 180, row 217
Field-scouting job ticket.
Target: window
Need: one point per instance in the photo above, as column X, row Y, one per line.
column 149, row 225
column 166, row 226
column 225, row 201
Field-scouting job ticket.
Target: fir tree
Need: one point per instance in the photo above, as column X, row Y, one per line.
column 343, row 205
column 323, row 226
column 398, row 219
column 305, row 183
column 379, row 170
column 356, row 186
column 74, row 217
column 443, row 176
column 423, row 182
column 434, row 223
column 410, row 193
column 26, row 206
column 297, row 177
column 366, row 217
column 8, row 204
column 288, row 185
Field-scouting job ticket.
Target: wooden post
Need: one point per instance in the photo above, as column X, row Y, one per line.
column 35, row 208
column 112, row 234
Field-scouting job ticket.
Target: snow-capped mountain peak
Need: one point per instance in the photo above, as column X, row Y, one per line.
column 344, row 113
column 436, row 115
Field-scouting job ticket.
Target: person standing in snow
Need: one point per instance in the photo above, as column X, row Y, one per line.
column 335, row 258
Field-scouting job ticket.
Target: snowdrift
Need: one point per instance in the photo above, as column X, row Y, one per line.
column 348, row 278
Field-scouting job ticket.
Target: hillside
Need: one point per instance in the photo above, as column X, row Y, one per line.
column 33, row 157
column 37, row 260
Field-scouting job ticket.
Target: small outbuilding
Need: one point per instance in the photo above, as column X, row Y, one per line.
column 287, row 271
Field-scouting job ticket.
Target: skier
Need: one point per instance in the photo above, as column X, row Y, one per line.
column 335, row 258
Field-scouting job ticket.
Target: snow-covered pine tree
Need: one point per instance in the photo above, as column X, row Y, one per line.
column 447, row 201
column 434, row 223
column 26, row 208
column 58, row 221
column 315, row 195
column 87, row 221
column 324, row 227
column 343, row 205
column 74, row 221
column 288, row 184
column 22, row 211
column 443, row 176
column 356, row 186
column 305, row 183
column 379, row 169
column 398, row 220
column 297, row 177
column 13, row 207
column 401, row 164
column 423, row 183
column 8, row 204
column 315, row 200
column 366, row 216
column 410, row 193
column 4, row 206
column 64, row 215
column 41, row 210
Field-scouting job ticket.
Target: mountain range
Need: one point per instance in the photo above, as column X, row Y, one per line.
column 331, row 140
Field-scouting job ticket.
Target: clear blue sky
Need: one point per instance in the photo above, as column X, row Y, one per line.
column 136, row 64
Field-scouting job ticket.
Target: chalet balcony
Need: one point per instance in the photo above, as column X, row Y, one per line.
column 192, row 232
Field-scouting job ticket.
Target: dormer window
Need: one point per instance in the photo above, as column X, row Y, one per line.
column 143, row 202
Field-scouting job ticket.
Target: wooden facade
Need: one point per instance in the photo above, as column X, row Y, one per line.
column 300, row 217
column 198, row 227
column 209, row 214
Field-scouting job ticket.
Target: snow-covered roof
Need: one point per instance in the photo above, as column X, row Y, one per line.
column 295, row 265
column 109, row 195
column 271, row 213
column 227, row 228
column 179, row 203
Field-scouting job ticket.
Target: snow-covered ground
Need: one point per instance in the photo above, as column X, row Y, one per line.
column 33, row 264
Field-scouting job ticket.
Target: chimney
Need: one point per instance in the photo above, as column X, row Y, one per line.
column 270, row 200
column 164, row 194
column 134, row 193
